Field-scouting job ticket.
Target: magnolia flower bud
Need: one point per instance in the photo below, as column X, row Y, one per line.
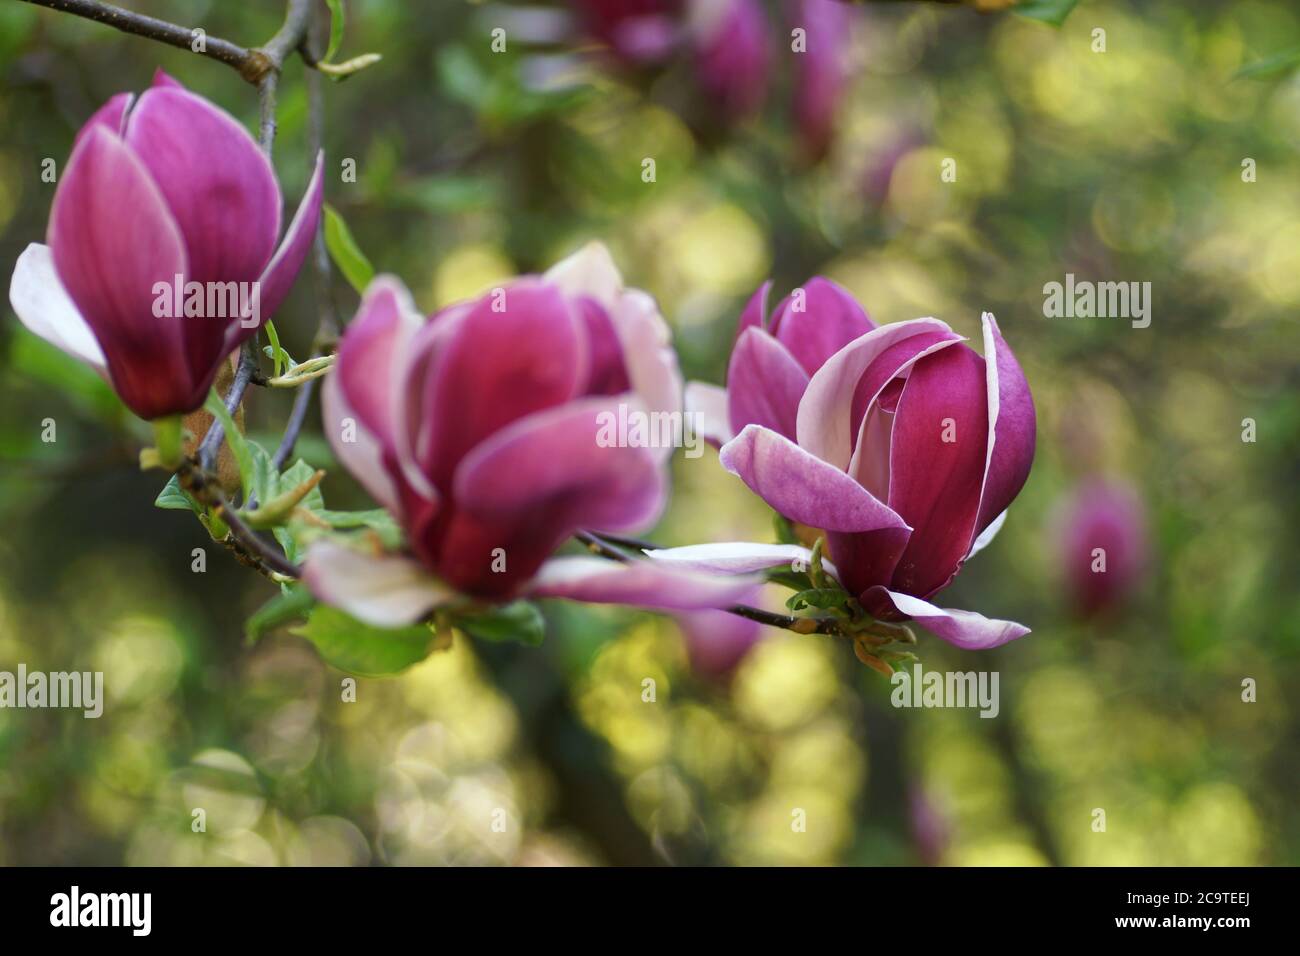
column 162, row 254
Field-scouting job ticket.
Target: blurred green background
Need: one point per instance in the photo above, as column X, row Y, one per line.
column 472, row 167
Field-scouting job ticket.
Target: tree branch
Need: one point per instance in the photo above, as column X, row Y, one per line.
column 252, row 65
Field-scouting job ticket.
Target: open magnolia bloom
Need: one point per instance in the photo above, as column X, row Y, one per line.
column 164, row 247
column 485, row 431
column 900, row 444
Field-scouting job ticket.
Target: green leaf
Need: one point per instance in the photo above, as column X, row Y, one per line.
column 279, row 356
column 175, row 498
column 1048, row 11
column 376, row 519
column 361, row 649
column 824, row 598
column 1270, row 65
column 337, row 22
column 234, row 437
column 289, row 605
column 345, row 252
column 519, row 621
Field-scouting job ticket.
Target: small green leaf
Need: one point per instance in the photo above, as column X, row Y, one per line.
column 234, row 437
column 345, row 252
column 337, row 22
column 279, row 357
column 824, row 598
column 377, row 519
column 519, row 621
column 175, row 498
column 361, row 649
column 1048, row 11
column 784, row 530
column 289, row 605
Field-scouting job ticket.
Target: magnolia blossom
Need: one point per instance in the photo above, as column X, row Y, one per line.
column 821, row 70
column 899, row 443
column 637, row 31
column 479, row 428
column 161, row 194
column 1101, row 535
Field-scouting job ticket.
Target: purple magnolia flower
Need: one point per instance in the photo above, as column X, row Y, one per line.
column 485, row 430
column 732, row 53
column 899, row 443
column 821, row 71
column 636, row 31
column 161, row 193
column 1102, row 539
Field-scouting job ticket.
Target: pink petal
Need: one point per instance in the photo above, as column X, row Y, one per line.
column 112, row 116
column 113, row 240
column 1012, row 426
column 819, row 323
column 801, row 487
column 384, row 591
column 363, row 456
column 372, row 351
column 754, row 315
column 935, row 484
column 764, row 384
column 277, row 278
column 550, row 470
column 640, row 584
column 825, row 419
column 218, row 185
column 964, row 629
column 496, row 367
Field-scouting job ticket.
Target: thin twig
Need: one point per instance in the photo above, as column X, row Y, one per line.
column 243, row 375
column 252, row 64
column 803, row 625
column 206, row 490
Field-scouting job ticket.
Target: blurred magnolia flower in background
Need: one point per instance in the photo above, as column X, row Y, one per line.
column 717, row 641
column 480, row 430
column 899, row 443
column 1100, row 531
column 732, row 50
column 165, row 191
column 821, row 71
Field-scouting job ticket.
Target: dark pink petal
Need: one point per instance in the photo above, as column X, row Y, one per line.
column 1011, row 410
column 731, row 55
column 355, row 446
column 825, row 421
column 764, row 384
column 111, row 116
column 868, row 558
column 113, row 240
column 277, row 278
column 516, row 351
column 161, row 78
column 607, row 373
column 802, row 487
column 937, row 465
column 964, row 629
column 371, row 354
column 219, row 186
column 754, row 315
column 640, row 584
column 816, row 322
column 552, row 470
